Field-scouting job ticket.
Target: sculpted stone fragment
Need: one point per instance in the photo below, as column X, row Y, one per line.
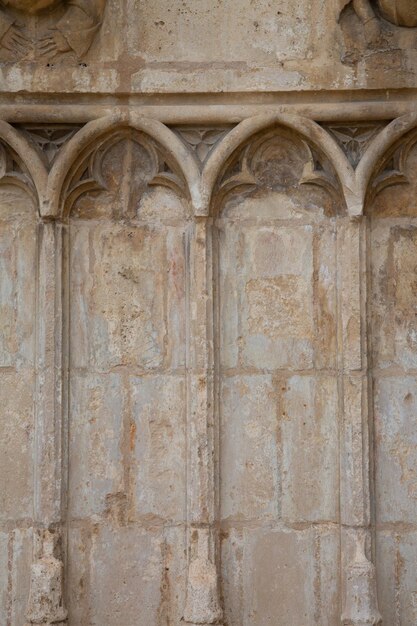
column 398, row 12
column 377, row 25
column 70, row 26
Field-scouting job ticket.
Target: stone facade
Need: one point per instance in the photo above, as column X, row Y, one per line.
column 208, row 335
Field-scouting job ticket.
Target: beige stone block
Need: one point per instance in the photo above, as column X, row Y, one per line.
column 327, row 587
column 15, row 559
column 394, row 254
column 173, row 576
column 249, row 466
column 4, row 576
column 229, row 294
column 355, row 459
column 387, row 575
column 176, row 293
column 78, row 573
column 155, row 560
column 396, row 576
column 325, row 295
column 17, row 289
column 395, row 449
column 95, row 442
column 382, row 310
column 270, row 306
column 232, row 562
column 158, row 446
column 310, row 456
column 118, row 293
column 266, row 248
column 21, row 556
column 304, row 204
column 159, row 204
column 274, row 295
column 181, row 33
column 349, row 234
column 126, row 575
column 16, row 444
column 282, row 591
column 319, row 595
column 404, row 261
column 277, row 305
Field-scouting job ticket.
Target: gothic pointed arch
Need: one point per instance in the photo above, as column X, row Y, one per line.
column 310, row 132
column 77, row 166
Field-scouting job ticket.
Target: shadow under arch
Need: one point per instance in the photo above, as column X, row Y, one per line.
column 305, row 128
column 92, row 131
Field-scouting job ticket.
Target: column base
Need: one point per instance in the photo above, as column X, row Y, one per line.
column 46, row 602
column 361, row 602
column 203, row 605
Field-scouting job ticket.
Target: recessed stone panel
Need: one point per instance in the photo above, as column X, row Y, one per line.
column 126, row 572
column 97, row 425
column 117, row 296
column 283, row 590
column 309, row 434
column 17, row 281
column 397, row 580
column 16, row 444
column 396, row 449
column 157, row 446
column 250, row 464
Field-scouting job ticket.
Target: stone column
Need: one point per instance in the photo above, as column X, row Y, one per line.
column 46, row 601
column 202, row 604
column 360, row 606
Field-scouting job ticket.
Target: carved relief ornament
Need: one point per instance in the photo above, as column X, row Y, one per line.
column 48, row 28
column 377, row 25
column 397, row 12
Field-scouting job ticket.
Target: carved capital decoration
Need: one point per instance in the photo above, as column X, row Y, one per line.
column 46, row 29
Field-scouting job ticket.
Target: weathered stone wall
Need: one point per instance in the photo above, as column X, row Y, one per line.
column 208, row 336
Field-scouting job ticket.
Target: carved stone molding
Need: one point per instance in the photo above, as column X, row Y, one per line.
column 44, row 158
